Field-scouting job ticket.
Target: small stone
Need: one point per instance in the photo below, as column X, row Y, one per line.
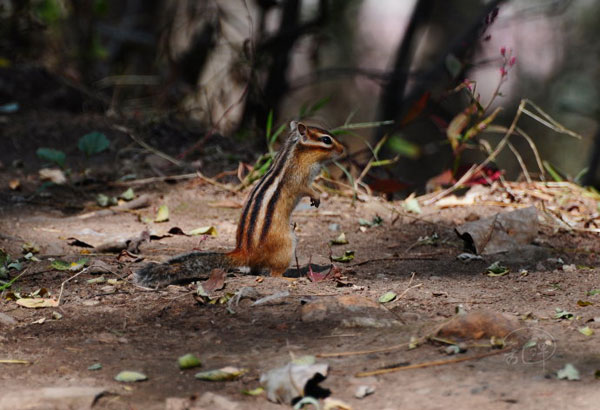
column 363, row 391
column 7, row 320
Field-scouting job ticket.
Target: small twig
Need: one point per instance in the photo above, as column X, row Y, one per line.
column 365, row 352
column 536, row 154
column 148, row 147
column 140, row 202
column 62, row 285
column 215, row 183
column 154, row 179
column 408, row 287
column 520, row 161
column 426, row 257
column 14, row 361
column 429, row 364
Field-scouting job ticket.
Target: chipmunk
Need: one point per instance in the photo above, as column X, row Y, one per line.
column 264, row 238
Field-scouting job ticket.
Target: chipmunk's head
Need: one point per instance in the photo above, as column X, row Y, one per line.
column 316, row 141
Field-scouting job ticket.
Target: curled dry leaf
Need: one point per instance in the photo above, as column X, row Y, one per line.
column 285, row 384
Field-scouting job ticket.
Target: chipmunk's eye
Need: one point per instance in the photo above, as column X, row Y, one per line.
column 326, row 140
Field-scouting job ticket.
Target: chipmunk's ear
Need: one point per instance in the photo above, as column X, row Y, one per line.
column 301, row 128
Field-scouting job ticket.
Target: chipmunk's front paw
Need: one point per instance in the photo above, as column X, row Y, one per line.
column 315, row 202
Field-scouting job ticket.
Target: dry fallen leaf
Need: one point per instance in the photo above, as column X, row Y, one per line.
column 216, row 281
column 35, row 303
column 53, row 175
column 14, row 184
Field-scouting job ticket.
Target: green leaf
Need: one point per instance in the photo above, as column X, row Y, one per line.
column 453, row 65
column 95, row 366
column 404, row 147
column 4, row 257
column 562, row 314
column 593, row 292
column 269, row 125
column 100, row 279
column 276, row 134
column 163, row 214
column 568, row 372
column 30, row 247
column 362, row 125
column 102, row 200
column 48, row 11
column 376, row 221
column 496, row 269
column 93, row 143
column 254, row 392
column 221, row 375
column 188, row 361
column 346, row 257
column 64, row 266
column 584, row 303
column 306, row 112
column 387, row 297
column 128, row 376
column 52, row 155
column 586, row 331
column 553, row 172
column 127, row 195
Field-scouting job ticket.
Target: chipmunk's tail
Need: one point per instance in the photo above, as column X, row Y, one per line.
column 182, row 268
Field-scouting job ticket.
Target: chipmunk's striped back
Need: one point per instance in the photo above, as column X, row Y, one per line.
column 264, row 223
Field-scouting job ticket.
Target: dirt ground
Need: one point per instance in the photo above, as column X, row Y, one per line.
column 124, row 327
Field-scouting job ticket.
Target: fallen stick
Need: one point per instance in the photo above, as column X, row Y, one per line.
column 426, row 257
column 428, row 364
column 141, row 202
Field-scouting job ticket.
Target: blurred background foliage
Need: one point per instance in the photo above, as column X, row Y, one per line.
column 240, row 66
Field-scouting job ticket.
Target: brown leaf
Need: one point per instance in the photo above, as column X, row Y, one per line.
column 14, row 184
column 216, row 281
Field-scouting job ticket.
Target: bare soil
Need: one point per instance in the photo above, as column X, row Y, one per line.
column 124, row 327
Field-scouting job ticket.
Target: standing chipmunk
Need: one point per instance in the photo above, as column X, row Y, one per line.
column 265, row 238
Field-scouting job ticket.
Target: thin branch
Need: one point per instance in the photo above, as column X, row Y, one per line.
column 429, row 364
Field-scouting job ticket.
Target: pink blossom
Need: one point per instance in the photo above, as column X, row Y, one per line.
column 512, row 61
column 503, row 51
column 503, row 71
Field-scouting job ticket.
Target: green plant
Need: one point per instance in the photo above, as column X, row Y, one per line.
column 52, row 155
column 93, row 143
